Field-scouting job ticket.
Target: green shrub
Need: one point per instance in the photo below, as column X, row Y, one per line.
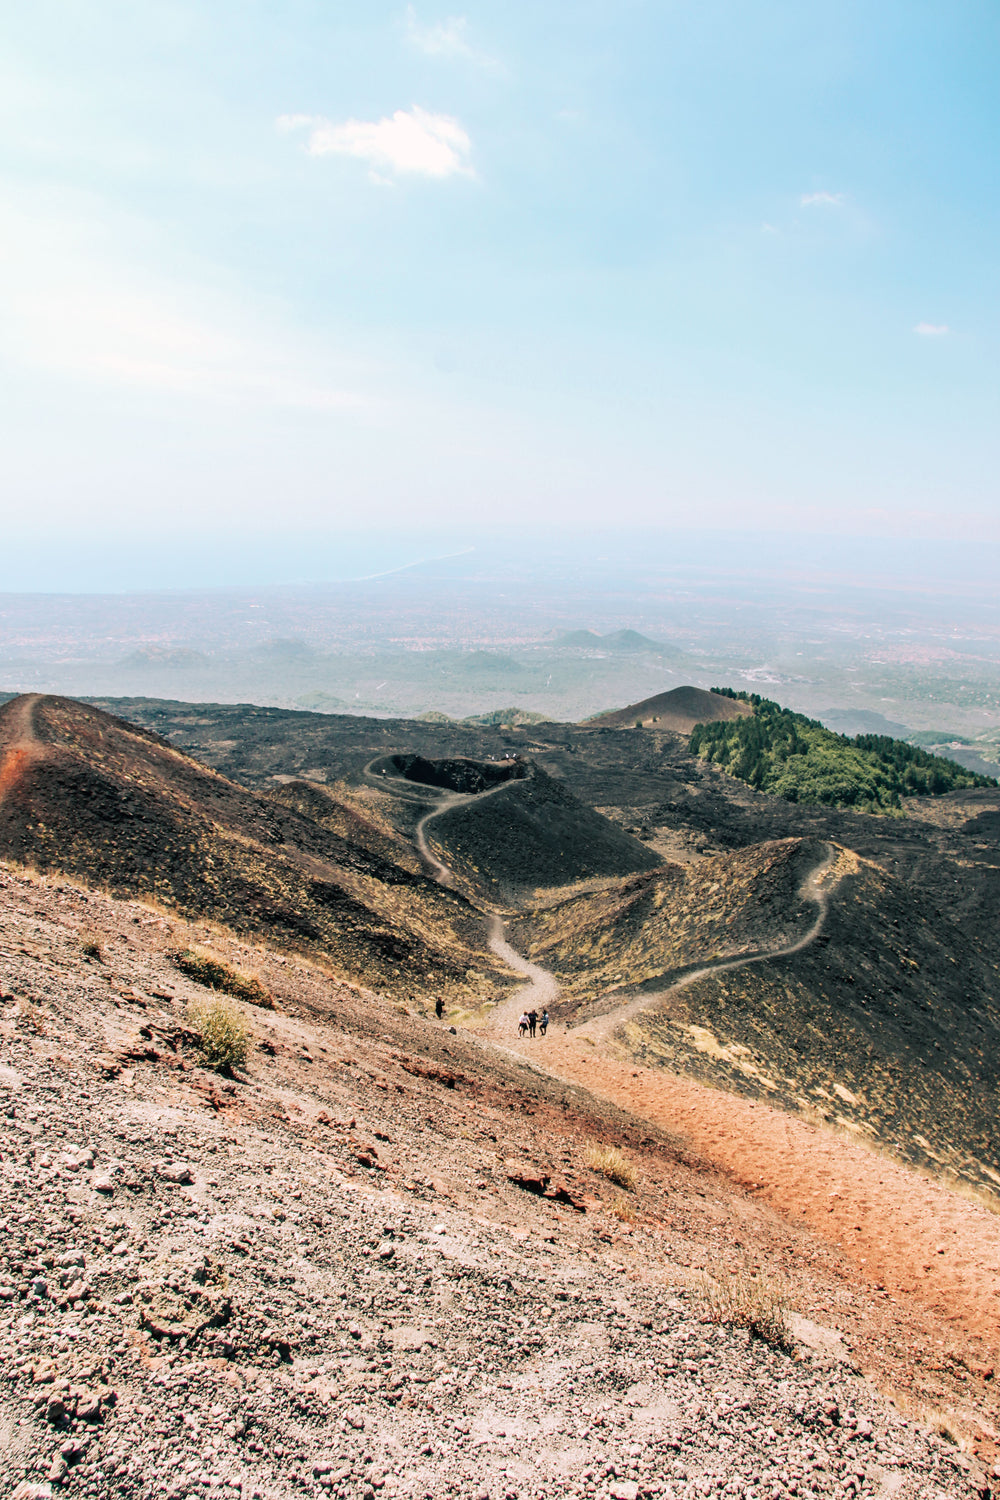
column 216, row 975
column 223, row 1036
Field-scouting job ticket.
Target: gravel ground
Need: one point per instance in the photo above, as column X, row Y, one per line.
column 208, row 1288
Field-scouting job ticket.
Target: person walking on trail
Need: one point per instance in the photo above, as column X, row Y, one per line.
column 543, row 1024
column 532, row 1021
column 523, row 1023
column 439, row 1008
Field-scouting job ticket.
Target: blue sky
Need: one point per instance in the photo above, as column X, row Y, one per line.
column 336, row 266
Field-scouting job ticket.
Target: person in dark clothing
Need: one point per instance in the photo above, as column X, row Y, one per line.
column 439, row 1009
column 532, row 1021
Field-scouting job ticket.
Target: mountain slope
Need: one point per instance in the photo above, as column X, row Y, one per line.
column 114, row 804
column 886, row 1023
column 532, row 833
column 680, row 710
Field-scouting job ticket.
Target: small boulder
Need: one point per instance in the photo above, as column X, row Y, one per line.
column 527, row 1176
column 55, row 1409
column 178, row 1172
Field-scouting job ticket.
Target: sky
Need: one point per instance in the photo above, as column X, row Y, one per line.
column 293, row 273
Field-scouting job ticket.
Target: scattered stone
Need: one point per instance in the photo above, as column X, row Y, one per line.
column 177, row 1172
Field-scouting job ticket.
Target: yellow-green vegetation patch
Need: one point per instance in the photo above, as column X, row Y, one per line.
column 611, row 1164
column 747, row 1299
column 623, row 1209
column 223, row 1035
column 90, row 944
column 216, row 975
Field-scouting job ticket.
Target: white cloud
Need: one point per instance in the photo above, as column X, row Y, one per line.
column 822, row 200
column 444, row 39
column 932, row 330
column 414, row 141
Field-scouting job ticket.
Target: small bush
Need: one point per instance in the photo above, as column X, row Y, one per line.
column 215, row 975
column 747, row 1300
column 90, row 946
column 223, row 1035
column 623, row 1210
column 609, row 1162
column 30, row 1018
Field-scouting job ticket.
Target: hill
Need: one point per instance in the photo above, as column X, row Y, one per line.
column 351, row 1267
column 615, row 640
column 519, row 830
column 826, row 970
column 915, row 934
column 867, row 1024
column 797, row 758
column 680, row 710
column 109, row 802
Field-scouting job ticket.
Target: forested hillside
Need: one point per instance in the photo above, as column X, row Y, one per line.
column 778, row 751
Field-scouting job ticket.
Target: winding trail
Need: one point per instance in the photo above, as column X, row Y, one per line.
column 22, row 741
column 897, row 1229
column 438, row 869
column 813, row 888
column 542, row 987
column 419, row 792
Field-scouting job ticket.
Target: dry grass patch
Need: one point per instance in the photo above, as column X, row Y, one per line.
column 609, row 1162
column 747, row 1299
column 90, row 944
column 223, row 1035
column 623, row 1209
column 216, row 975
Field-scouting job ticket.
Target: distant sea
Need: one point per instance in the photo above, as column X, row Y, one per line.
column 110, row 564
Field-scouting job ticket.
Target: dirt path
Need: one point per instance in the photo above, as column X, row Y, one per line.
column 817, row 886
column 439, row 871
column 22, row 743
column 906, row 1234
column 419, row 792
column 916, row 1238
column 541, row 989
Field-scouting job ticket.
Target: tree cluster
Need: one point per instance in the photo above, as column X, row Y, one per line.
column 778, row 751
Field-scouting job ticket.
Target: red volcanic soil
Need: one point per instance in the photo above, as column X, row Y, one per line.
column 906, row 1236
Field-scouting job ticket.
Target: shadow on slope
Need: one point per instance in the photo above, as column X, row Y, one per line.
column 530, row 832
column 117, row 806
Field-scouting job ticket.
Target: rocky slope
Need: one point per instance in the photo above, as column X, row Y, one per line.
column 376, row 1263
column 110, row 802
column 887, row 1024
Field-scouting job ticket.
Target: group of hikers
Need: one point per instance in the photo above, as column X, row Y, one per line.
column 529, row 1023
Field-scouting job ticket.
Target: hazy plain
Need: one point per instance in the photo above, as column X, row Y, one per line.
column 862, row 636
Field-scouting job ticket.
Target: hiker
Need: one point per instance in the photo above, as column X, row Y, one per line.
column 439, row 1008
column 532, row 1021
column 543, row 1025
column 523, row 1023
